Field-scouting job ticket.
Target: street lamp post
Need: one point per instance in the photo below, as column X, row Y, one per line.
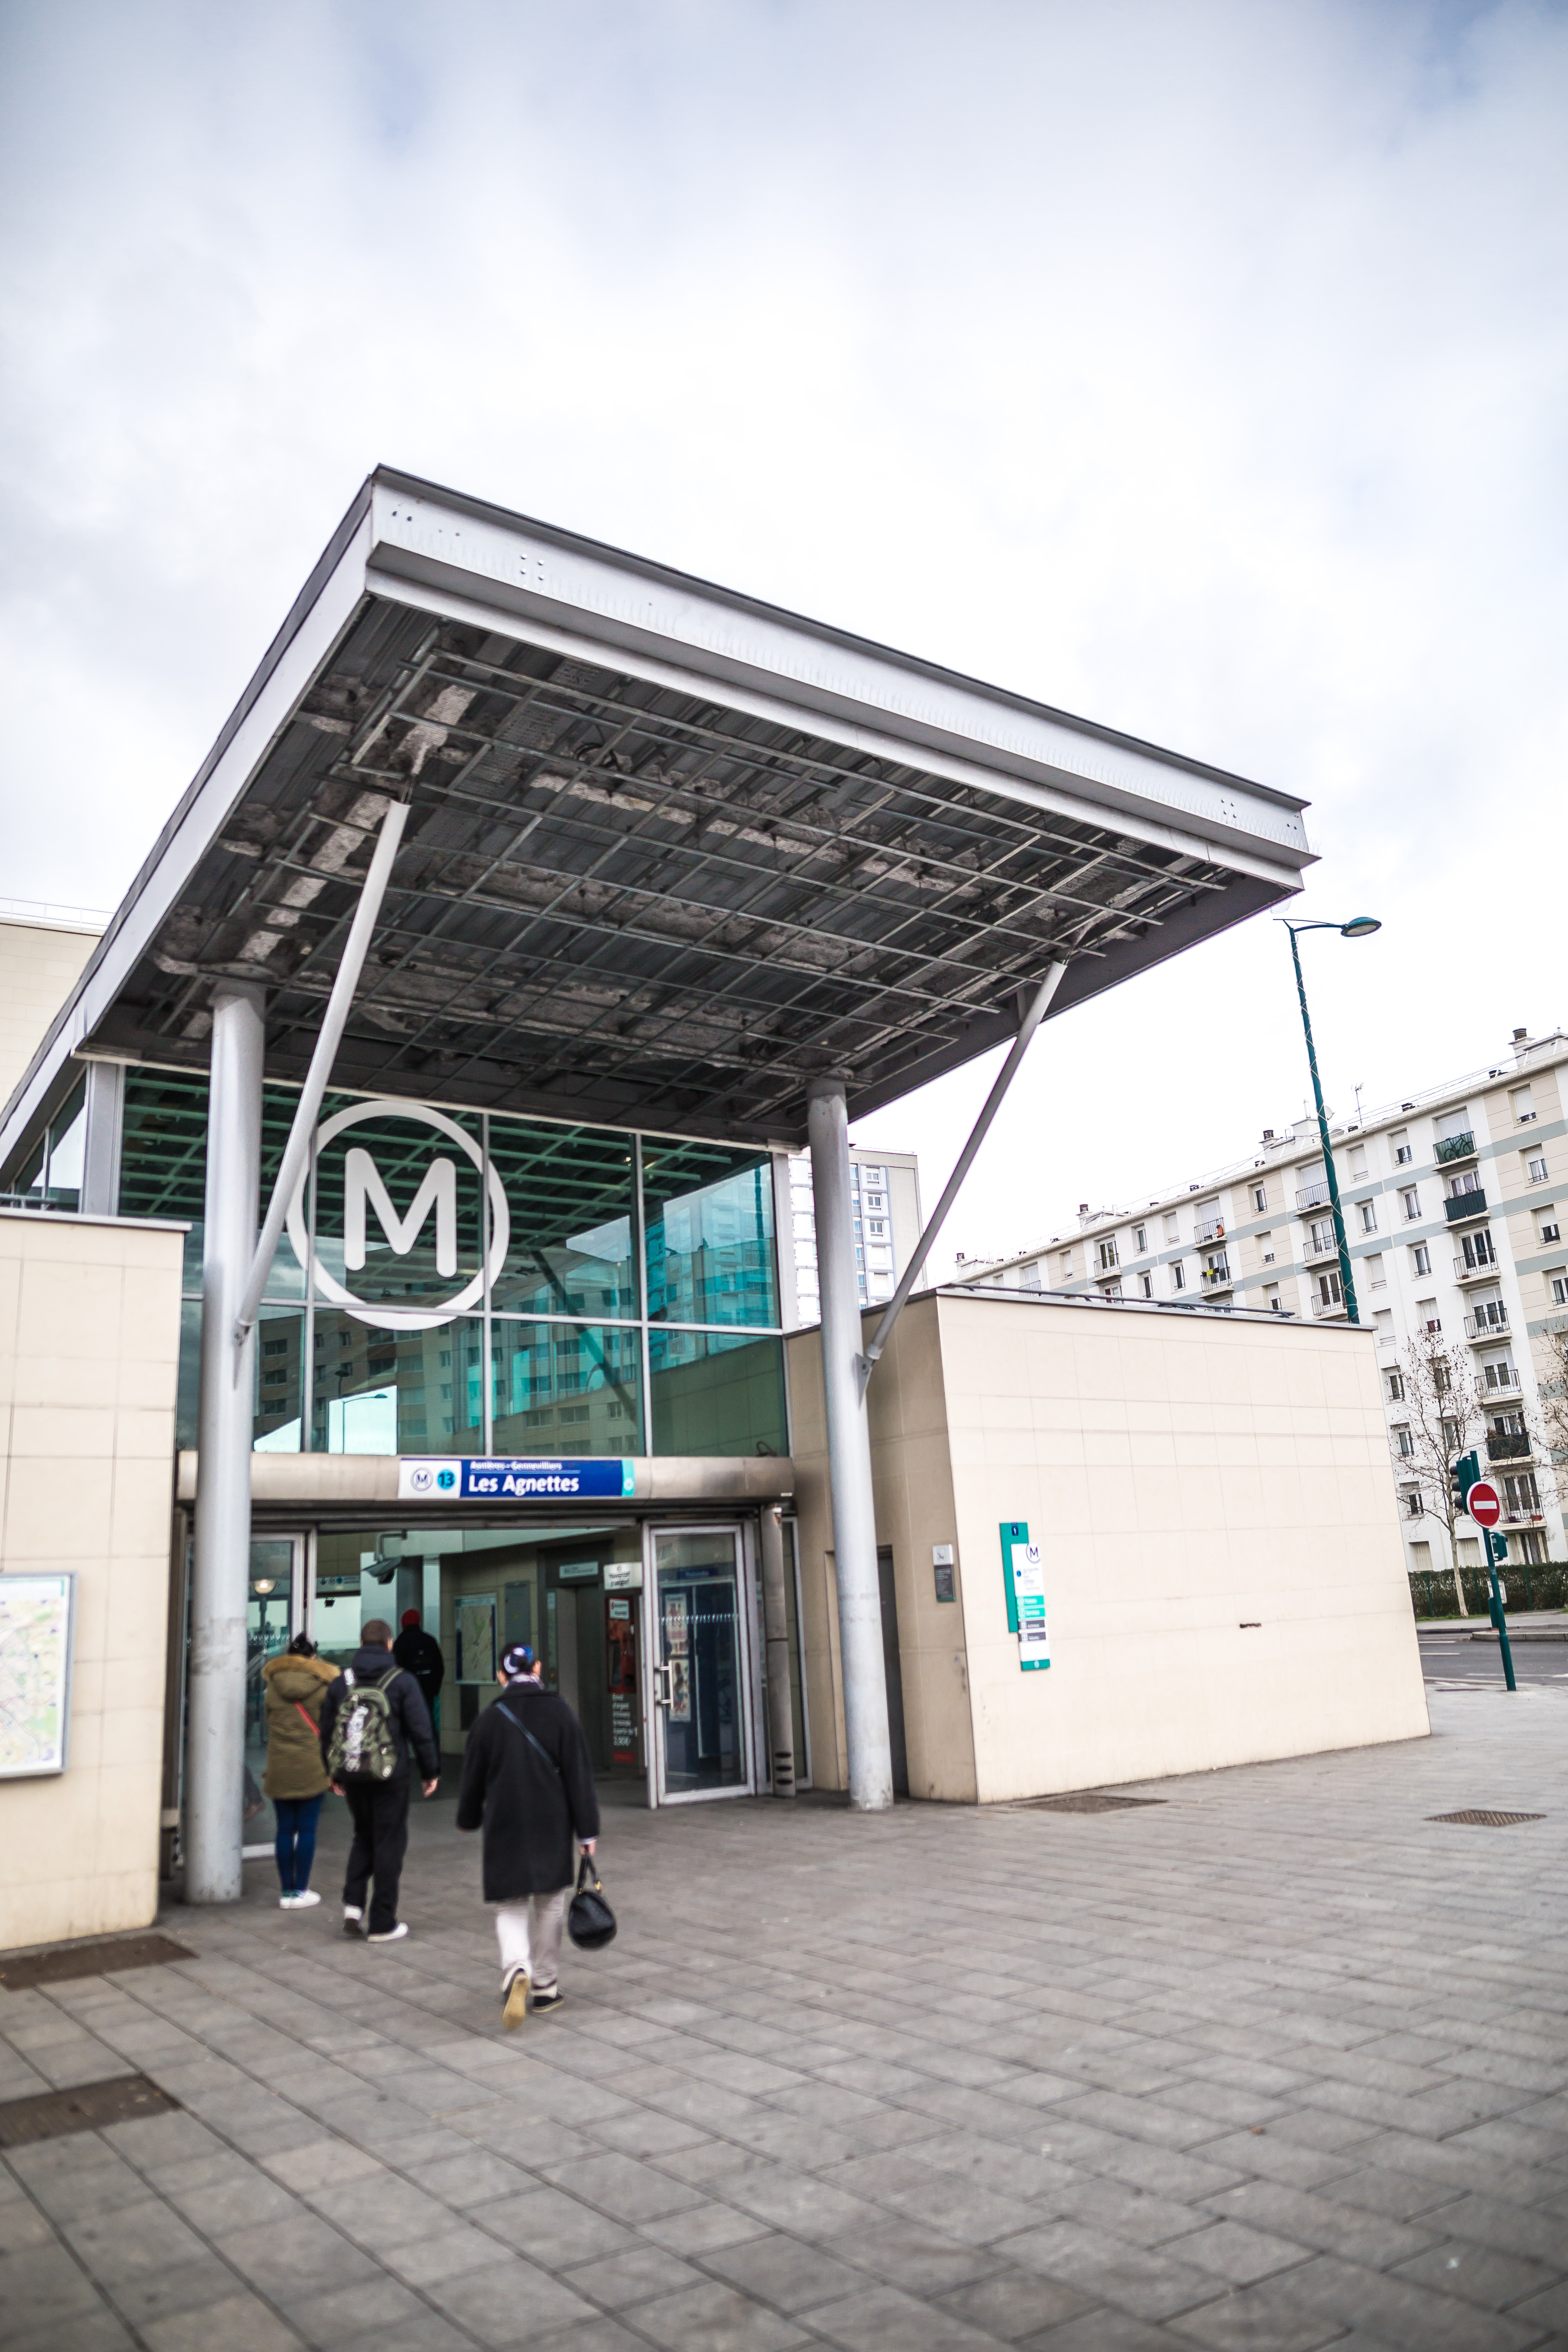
column 1360, row 927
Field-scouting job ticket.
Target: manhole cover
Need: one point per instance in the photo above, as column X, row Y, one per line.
column 90, row 1960
column 52, row 2114
column 1479, row 1818
column 1085, row 1801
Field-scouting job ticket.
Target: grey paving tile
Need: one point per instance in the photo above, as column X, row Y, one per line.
column 1238, row 2254
column 1482, row 2276
column 622, row 2186
column 1101, row 2331
column 1147, row 2285
column 881, row 2319
column 704, row 2229
column 238, row 2323
column 631, row 2277
column 497, row 2303
column 99, row 2330
column 308, row 2256
column 1402, row 2312
column 783, row 2271
column 921, row 2261
column 550, row 2226
column 1257, row 2319
column 1014, row 2302
column 714, row 2318
column 795, row 2201
column 324, row 2320
column 44, row 2286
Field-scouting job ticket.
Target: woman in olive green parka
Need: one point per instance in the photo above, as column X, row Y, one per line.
column 296, row 1779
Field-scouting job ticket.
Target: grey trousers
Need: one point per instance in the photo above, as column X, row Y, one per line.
column 529, row 1934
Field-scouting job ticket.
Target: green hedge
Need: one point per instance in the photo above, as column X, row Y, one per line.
column 1432, row 1591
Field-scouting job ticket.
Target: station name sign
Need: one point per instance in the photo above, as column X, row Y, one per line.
column 490, row 1479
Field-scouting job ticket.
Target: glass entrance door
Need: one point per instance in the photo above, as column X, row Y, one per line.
column 274, row 1615
column 702, row 1681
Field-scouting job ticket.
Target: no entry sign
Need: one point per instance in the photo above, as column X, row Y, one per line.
column 1484, row 1504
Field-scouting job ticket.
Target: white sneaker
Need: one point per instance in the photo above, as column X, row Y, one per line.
column 389, row 1935
column 300, row 1902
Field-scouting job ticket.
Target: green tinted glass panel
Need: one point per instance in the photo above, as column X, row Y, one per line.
column 277, row 1375
column 569, row 1193
column 710, row 1215
column 566, row 1388
column 163, row 1162
column 715, row 1394
column 377, row 1390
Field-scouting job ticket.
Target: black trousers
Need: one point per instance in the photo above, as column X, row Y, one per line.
column 379, row 1812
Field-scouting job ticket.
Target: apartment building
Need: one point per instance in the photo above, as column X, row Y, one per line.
column 1456, row 1204
column 886, row 1189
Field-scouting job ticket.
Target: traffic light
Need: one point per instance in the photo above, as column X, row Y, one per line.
column 1461, row 1478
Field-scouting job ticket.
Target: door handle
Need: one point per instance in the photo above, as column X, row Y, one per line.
column 662, row 1695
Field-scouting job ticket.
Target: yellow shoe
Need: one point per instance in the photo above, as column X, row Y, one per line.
column 514, row 2008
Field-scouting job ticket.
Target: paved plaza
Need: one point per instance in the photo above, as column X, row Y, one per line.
column 1277, row 2063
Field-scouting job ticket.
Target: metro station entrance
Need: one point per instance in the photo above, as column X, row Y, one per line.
column 651, row 1631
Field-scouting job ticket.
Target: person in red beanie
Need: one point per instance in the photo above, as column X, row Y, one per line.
column 419, row 1654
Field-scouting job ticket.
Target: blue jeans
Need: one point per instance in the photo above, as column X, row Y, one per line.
column 296, row 1819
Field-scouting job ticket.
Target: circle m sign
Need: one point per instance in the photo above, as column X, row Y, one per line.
column 1484, row 1504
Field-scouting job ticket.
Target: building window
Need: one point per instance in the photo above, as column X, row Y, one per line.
column 1427, row 1314
column 1479, row 1250
column 1369, row 1216
column 1260, row 1198
column 1266, row 1248
column 1410, row 1202
column 1521, row 1496
column 1405, row 1441
column 1171, row 1232
column 1557, row 1283
column 1524, row 1104
column 1551, row 1230
column 1420, row 1259
column 1403, row 1155
column 1178, row 1275
column 1067, row 1263
column 1395, row 1387
column 1148, row 1282
column 1140, row 1239
column 1376, row 1272
column 1106, row 1253
column 1500, row 1376
column 1271, row 1299
column 1535, row 1167
column 1410, row 1497
column 1330, row 1295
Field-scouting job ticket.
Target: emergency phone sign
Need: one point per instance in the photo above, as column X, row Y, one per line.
column 1024, row 1573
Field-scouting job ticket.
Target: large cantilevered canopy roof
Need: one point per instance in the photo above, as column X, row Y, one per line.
column 670, row 853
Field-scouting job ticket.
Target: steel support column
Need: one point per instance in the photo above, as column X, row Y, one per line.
column 214, row 1754
column 776, row 1630
column 849, row 1455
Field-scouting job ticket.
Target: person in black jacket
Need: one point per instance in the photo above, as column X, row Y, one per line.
column 528, row 1783
column 379, row 1808
column 420, row 1653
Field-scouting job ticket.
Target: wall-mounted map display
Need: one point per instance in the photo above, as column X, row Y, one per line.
column 35, row 1672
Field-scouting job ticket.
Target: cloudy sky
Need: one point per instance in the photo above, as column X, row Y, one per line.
column 1195, row 364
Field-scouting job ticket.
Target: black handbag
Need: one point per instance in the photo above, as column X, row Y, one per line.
column 590, row 1922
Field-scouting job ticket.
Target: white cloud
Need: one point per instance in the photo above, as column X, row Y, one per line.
column 1199, row 368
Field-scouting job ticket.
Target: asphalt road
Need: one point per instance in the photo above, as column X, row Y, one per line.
column 1452, row 1661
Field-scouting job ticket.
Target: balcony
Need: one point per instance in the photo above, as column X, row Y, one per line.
column 1218, row 1277
column 1313, row 1196
column 1315, row 1253
column 1460, row 1207
column 1485, row 1322
column 1211, row 1230
column 1328, row 1311
column 1508, row 1448
column 1501, row 1379
column 1456, row 1146
column 1484, row 1273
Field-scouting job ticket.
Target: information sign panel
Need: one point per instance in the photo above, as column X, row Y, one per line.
column 35, row 1672
column 1024, row 1571
column 463, row 1478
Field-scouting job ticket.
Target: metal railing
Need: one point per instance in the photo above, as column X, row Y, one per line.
column 1485, row 1321
column 1484, row 1270
column 1217, row 1277
column 1500, row 1380
column 1313, row 1196
column 1211, row 1230
column 1456, row 1146
column 1459, row 1206
column 1314, row 1251
column 1508, row 1448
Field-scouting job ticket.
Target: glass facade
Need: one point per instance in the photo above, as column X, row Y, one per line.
column 457, row 1283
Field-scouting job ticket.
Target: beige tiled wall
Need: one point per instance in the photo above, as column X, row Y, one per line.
column 38, row 968
column 1225, row 1575
column 89, row 1314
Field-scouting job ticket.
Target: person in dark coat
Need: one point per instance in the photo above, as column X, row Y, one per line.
column 419, row 1654
column 528, row 1783
column 379, row 1808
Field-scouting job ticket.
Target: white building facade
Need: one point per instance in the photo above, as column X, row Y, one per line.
column 1456, row 1206
column 886, row 1192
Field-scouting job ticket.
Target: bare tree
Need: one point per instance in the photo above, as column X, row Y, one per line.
column 1552, row 1387
column 1437, row 1414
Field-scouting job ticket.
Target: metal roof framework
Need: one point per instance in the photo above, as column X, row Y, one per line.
column 670, row 853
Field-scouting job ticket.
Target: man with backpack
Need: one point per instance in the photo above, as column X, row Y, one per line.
column 370, row 1717
column 529, row 1782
